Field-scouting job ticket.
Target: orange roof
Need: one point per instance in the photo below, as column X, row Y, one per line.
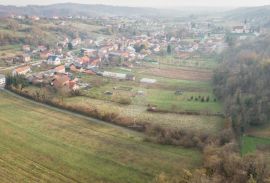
column 22, row 69
column 125, row 54
column 59, row 68
column 60, row 80
column 71, row 84
column 85, row 59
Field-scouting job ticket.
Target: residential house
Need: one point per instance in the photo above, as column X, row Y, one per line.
column 240, row 29
column 58, row 50
column 88, row 52
column 44, row 54
column 76, row 42
column 26, row 58
column 21, row 70
column 2, row 80
column 84, row 60
column 62, row 81
column 94, row 62
column 42, row 48
column 60, row 69
column 26, row 48
column 22, row 58
column 53, row 60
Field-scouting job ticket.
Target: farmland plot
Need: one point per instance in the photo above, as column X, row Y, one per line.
column 40, row 144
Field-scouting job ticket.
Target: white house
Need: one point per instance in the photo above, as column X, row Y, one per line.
column 53, row 60
column 240, row 29
column 2, row 80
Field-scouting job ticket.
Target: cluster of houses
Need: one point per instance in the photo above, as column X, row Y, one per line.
column 183, row 40
column 57, row 77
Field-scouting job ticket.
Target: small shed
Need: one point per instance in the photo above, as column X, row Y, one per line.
column 148, row 81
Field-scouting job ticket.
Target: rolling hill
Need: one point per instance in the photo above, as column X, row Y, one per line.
column 258, row 15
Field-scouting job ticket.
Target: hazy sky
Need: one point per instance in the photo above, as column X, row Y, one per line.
column 151, row 3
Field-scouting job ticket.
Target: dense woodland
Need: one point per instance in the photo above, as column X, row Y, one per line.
column 242, row 82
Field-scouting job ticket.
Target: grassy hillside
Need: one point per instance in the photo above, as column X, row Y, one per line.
column 41, row 144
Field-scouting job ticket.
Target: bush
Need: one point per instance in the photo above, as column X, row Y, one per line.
column 125, row 100
column 202, row 99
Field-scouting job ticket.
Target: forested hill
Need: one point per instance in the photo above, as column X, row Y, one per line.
column 257, row 15
column 73, row 9
column 90, row 10
column 242, row 82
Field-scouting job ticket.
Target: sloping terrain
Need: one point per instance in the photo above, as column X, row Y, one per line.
column 39, row 144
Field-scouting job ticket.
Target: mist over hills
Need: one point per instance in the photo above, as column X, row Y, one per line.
column 73, row 9
column 259, row 14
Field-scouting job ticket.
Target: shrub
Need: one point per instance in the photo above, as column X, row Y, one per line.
column 202, row 99
column 121, row 99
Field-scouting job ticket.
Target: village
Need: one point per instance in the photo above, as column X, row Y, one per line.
column 133, row 94
column 62, row 65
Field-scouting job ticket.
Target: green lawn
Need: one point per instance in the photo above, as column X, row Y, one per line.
column 38, row 144
column 161, row 94
column 168, row 100
column 250, row 143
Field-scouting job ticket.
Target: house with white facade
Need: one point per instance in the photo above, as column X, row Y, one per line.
column 53, row 60
column 2, row 80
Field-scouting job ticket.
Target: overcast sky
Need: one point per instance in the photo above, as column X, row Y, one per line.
column 147, row 3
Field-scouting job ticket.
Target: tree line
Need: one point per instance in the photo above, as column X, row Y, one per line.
column 242, row 83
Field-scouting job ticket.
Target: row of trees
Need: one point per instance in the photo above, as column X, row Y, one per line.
column 17, row 81
column 242, row 82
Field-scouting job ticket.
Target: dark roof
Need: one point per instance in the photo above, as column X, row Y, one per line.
column 52, row 57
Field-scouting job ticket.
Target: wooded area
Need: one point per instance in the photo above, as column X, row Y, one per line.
column 242, row 82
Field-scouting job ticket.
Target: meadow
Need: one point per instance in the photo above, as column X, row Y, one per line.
column 193, row 83
column 257, row 139
column 251, row 143
column 207, row 124
column 47, row 145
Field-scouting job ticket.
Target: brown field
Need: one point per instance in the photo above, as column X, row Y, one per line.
column 263, row 131
column 181, row 73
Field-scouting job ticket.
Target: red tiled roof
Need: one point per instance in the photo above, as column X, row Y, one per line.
column 22, row 69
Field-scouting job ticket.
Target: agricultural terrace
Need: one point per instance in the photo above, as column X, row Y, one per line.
column 44, row 144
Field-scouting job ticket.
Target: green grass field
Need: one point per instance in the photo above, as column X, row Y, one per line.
column 168, row 100
column 207, row 124
column 251, row 143
column 39, row 144
column 161, row 94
